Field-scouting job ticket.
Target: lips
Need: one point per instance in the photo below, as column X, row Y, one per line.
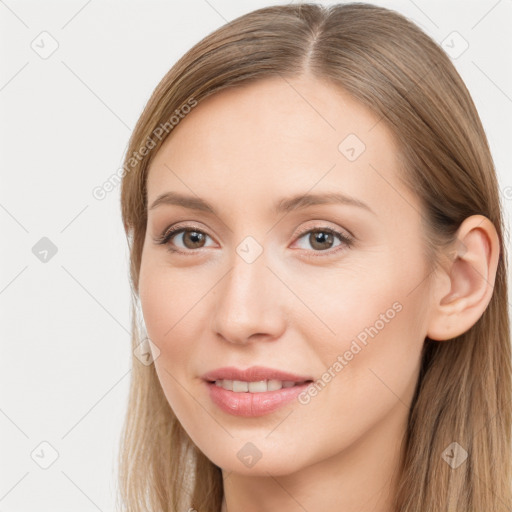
column 253, row 374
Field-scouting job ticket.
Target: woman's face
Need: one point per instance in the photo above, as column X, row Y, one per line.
column 252, row 284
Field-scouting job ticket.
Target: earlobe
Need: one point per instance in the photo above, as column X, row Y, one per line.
column 464, row 287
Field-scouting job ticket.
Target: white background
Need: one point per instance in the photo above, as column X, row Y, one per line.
column 65, row 124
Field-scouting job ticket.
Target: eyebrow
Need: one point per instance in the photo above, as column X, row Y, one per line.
column 284, row 205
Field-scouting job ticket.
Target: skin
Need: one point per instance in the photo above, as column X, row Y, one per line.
column 299, row 306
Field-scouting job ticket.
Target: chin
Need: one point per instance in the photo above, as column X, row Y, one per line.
column 248, row 460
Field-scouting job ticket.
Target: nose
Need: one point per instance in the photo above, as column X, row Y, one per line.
column 250, row 303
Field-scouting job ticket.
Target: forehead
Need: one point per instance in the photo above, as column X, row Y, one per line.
column 275, row 137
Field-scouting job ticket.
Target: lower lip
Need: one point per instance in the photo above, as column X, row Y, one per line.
column 253, row 404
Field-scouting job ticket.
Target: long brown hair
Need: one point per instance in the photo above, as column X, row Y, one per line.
column 463, row 394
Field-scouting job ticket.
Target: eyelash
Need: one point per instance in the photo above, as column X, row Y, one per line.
column 345, row 240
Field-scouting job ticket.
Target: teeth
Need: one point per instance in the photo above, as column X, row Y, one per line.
column 274, row 385
column 240, row 386
column 257, row 387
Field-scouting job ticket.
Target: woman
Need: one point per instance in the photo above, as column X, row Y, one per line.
column 319, row 278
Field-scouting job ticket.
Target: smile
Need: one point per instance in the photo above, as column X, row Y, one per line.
column 261, row 386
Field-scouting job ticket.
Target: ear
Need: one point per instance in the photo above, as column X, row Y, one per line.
column 464, row 286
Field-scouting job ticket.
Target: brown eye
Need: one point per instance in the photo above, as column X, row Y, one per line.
column 193, row 239
column 321, row 239
column 183, row 239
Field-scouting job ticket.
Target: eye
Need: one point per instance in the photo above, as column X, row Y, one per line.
column 321, row 239
column 191, row 238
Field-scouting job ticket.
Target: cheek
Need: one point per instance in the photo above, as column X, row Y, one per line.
column 168, row 308
column 376, row 327
column 176, row 306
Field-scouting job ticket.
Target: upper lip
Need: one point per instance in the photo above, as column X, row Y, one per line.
column 253, row 374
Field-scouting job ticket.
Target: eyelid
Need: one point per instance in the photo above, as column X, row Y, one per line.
column 322, row 224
